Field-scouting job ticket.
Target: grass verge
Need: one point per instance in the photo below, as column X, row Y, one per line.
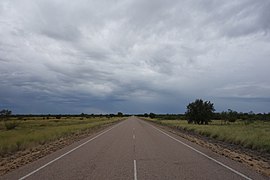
column 37, row 131
column 255, row 135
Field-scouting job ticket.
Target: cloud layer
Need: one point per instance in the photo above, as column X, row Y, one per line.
column 133, row 56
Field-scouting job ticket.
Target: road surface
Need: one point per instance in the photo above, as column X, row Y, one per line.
column 135, row 150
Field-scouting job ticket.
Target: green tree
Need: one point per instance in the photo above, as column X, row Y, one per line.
column 152, row 115
column 229, row 116
column 145, row 115
column 200, row 112
column 5, row 114
column 82, row 115
column 119, row 114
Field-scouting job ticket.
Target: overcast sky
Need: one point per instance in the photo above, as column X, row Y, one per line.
column 134, row 56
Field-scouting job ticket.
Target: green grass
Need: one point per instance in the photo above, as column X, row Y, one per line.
column 35, row 131
column 255, row 135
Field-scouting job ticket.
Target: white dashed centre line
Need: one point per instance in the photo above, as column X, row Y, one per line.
column 135, row 170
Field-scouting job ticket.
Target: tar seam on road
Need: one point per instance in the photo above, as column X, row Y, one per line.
column 135, row 170
column 192, row 148
column 52, row 161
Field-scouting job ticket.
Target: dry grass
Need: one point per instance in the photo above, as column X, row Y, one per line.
column 35, row 131
column 255, row 135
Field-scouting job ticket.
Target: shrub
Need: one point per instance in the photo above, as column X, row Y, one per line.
column 152, row 115
column 10, row 125
column 120, row 114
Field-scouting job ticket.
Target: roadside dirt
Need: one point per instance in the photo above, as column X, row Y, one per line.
column 13, row 161
column 259, row 161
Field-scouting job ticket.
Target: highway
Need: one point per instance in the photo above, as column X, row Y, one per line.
column 136, row 150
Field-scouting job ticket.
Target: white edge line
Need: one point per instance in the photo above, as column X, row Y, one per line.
column 70, row 151
column 216, row 161
column 135, row 169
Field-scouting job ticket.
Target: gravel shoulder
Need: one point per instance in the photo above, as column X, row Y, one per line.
column 256, row 160
column 10, row 162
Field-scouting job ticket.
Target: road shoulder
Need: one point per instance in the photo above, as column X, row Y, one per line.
column 251, row 159
column 22, row 158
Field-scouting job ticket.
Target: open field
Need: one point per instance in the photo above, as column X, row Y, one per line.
column 33, row 131
column 254, row 135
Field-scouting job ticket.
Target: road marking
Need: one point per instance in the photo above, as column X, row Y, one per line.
column 133, row 136
column 216, row 161
column 52, row 161
column 135, row 170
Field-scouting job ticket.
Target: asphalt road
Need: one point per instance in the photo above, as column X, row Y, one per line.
column 134, row 149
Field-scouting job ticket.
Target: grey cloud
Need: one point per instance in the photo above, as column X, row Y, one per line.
column 99, row 56
column 248, row 90
column 240, row 18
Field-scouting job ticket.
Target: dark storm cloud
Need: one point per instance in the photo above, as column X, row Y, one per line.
column 133, row 56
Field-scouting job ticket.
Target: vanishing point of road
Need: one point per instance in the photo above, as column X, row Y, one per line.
column 134, row 149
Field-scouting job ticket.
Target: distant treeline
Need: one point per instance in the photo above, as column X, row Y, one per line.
column 229, row 115
column 119, row 114
column 163, row 116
